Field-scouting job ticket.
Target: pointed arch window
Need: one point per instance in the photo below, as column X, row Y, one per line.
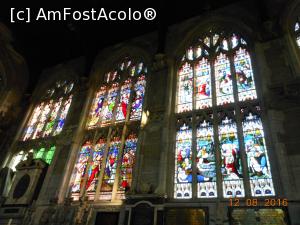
column 220, row 145
column 104, row 167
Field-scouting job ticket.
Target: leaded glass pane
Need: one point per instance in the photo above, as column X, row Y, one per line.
column 231, row 167
column 257, row 157
column 183, row 163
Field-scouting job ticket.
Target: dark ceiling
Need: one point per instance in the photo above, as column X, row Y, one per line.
column 45, row 44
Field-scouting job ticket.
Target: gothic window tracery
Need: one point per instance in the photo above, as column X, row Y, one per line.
column 48, row 117
column 220, row 143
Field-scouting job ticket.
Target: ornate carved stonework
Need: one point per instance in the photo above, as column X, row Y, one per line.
column 29, row 174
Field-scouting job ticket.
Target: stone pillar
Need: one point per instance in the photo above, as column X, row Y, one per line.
column 152, row 161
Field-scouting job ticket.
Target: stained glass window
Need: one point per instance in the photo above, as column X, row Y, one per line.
column 110, row 168
column 244, row 75
column 49, row 116
column 138, row 99
column 206, row 161
column 128, row 160
column 121, row 93
column 185, row 88
column 183, row 165
column 257, row 157
column 224, row 90
column 231, row 168
column 213, row 53
column 215, row 78
column 116, row 112
column 96, row 165
column 81, row 167
column 203, row 85
column 49, row 154
column 297, row 32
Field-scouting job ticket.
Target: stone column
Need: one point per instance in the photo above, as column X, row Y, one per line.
column 152, row 161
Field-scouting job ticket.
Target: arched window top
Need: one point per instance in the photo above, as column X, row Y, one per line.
column 213, row 44
column 120, row 95
column 125, row 69
column 59, row 89
column 49, row 115
column 206, row 74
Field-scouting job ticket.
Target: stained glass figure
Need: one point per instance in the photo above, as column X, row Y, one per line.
column 224, row 89
column 110, row 103
column 183, row 163
column 257, row 157
column 231, row 167
column 128, row 161
column 63, row 115
column 48, row 116
column 138, row 99
column 206, row 161
column 206, row 84
column 110, row 168
column 124, row 101
column 203, row 85
column 80, row 167
column 95, row 112
column 244, row 76
column 42, row 120
column 33, row 121
column 96, row 165
column 52, row 118
column 185, row 89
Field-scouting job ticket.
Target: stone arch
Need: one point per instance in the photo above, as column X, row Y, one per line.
column 109, row 57
column 200, row 27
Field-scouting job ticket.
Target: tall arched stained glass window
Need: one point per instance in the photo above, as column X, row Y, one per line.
column 113, row 123
column 219, row 120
